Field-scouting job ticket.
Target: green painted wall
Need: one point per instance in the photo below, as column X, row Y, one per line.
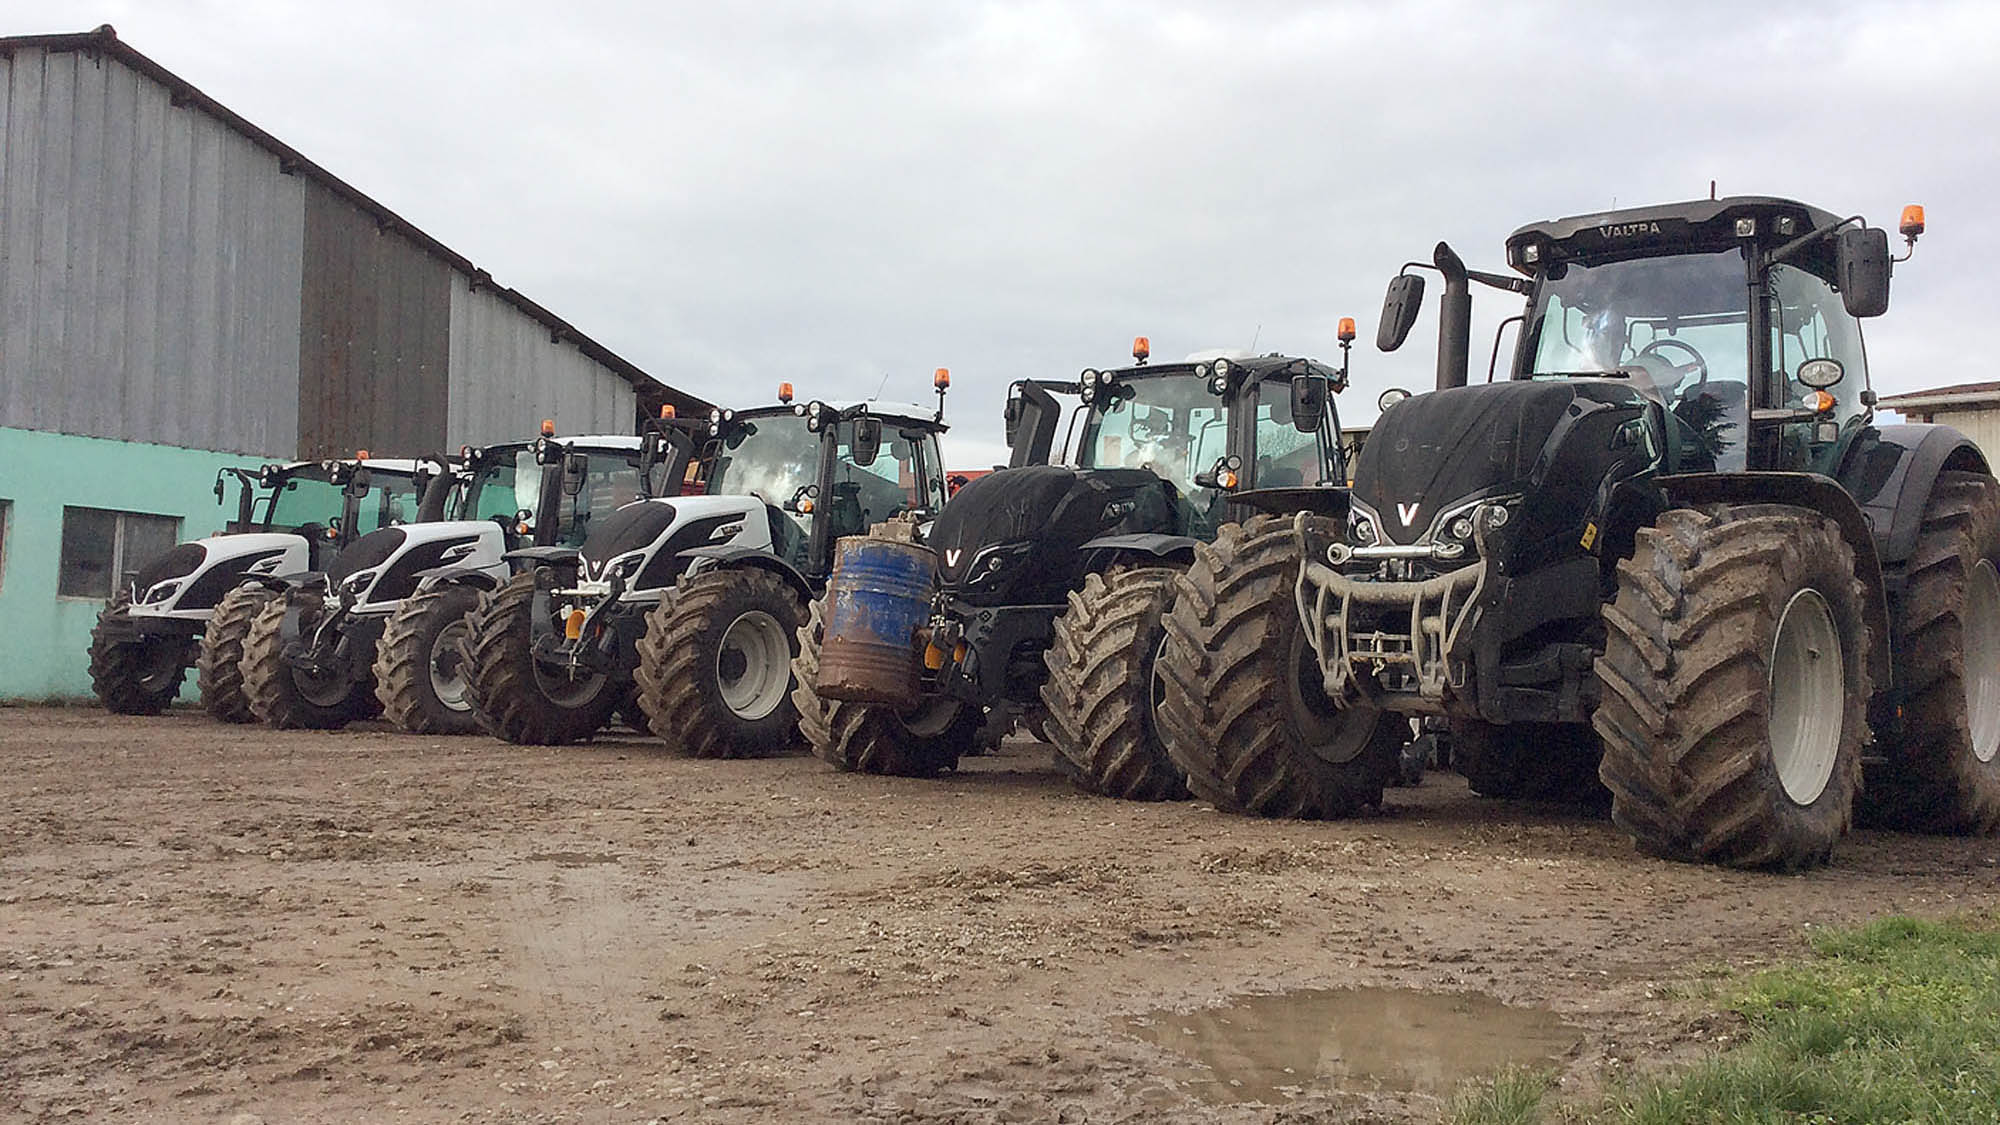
column 44, row 638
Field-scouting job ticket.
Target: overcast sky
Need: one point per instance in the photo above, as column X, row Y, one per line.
column 733, row 194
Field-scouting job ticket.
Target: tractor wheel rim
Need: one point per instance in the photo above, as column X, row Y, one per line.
column 753, row 665
column 159, row 664
column 320, row 691
column 1979, row 646
column 1807, row 693
column 447, row 666
column 931, row 718
column 556, row 686
column 1157, row 681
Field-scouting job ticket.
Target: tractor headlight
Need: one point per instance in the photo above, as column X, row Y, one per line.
column 161, row 592
column 989, row 566
column 358, row 582
column 1363, row 525
column 626, row 567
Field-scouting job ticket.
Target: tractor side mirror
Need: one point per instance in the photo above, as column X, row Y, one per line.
column 357, row 485
column 1399, row 311
column 867, row 440
column 1010, row 418
column 1862, row 269
column 576, row 472
column 1309, row 394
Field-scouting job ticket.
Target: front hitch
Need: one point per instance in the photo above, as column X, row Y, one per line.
column 1410, row 665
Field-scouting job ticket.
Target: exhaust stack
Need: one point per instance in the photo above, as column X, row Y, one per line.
column 1454, row 319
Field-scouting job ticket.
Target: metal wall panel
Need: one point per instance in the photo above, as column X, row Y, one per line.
column 507, row 374
column 150, row 263
column 375, row 336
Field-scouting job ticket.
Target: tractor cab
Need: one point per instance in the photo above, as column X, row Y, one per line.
column 549, row 491
column 826, row 469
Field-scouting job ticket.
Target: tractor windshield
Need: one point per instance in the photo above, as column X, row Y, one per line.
column 1169, row 424
column 511, row 482
column 904, row 475
column 1677, row 327
column 312, row 502
column 771, row 456
column 1157, row 422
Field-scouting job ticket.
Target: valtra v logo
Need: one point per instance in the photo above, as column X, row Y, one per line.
column 951, row 556
column 1406, row 513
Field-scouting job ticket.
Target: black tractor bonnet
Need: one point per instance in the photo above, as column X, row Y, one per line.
column 1434, row 449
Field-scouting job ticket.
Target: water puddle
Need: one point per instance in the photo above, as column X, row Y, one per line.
column 1358, row 1040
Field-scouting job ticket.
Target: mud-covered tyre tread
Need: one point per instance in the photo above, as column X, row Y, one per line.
column 1099, row 694
column 219, row 666
column 116, row 666
column 1684, row 686
column 1225, row 719
column 509, row 703
column 270, row 689
column 403, row 662
column 1929, row 780
column 857, row 738
column 677, row 687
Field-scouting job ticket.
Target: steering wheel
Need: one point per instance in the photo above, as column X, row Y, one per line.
column 1696, row 365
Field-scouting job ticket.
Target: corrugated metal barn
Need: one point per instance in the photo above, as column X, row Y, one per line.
column 1972, row 409
column 175, row 280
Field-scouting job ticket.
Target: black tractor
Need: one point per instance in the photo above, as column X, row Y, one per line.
column 1671, row 549
column 289, row 517
column 688, row 604
column 1051, row 580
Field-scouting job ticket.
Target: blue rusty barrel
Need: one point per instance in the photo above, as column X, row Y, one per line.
column 877, row 599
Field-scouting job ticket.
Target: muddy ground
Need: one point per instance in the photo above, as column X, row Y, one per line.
column 207, row 923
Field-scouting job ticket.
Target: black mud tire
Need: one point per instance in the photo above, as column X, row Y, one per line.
column 1101, row 696
column 421, row 665
column 1687, row 700
column 277, row 696
column 507, row 693
column 1932, row 778
column 219, row 666
column 1536, row 761
column 1244, row 712
column 134, row 675
column 714, row 673
column 858, row 738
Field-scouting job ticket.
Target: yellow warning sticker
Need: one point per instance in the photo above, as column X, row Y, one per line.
column 1589, row 536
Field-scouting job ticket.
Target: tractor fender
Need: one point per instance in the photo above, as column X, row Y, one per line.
column 1814, row 492
column 545, row 556
column 1157, row 544
column 728, row 555
column 472, row 576
column 1893, row 474
column 280, row 583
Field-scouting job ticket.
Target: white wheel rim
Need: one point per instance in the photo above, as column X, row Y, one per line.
column 753, row 665
column 1806, row 696
column 1979, row 647
column 447, row 666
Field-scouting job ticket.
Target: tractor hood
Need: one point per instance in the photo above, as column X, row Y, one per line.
column 1012, row 536
column 1431, row 450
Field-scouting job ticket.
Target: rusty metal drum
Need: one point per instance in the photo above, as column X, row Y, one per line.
column 876, row 601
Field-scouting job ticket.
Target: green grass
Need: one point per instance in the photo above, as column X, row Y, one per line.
column 1898, row 1021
